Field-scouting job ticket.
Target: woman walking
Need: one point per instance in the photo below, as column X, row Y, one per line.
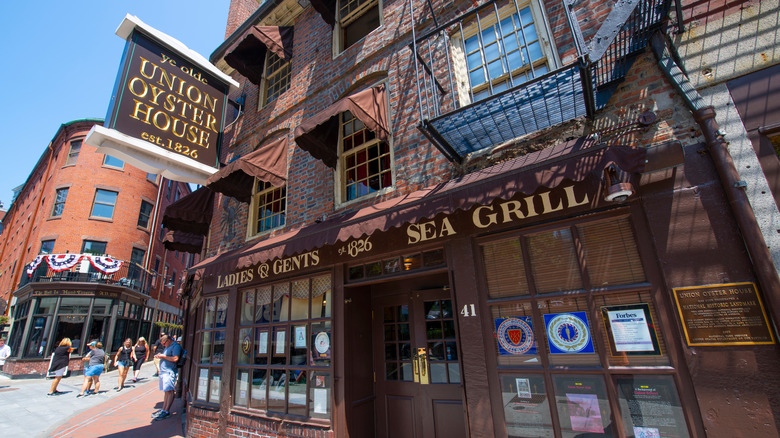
column 140, row 355
column 59, row 364
column 122, row 359
column 96, row 357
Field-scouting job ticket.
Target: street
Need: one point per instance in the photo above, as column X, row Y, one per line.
column 28, row 411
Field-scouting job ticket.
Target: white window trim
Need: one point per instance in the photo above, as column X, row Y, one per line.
column 262, row 87
column 251, row 232
column 458, row 46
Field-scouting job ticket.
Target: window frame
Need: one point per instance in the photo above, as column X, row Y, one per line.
column 458, row 52
column 84, row 250
column 73, row 156
column 58, row 203
column 283, row 71
column 254, row 208
column 95, row 202
column 148, row 216
column 106, row 162
column 44, row 242
column 339, row 29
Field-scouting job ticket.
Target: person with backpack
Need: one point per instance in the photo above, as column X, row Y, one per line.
column 169, row 359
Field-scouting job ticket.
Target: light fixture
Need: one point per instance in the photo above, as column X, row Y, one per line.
column 615, row 189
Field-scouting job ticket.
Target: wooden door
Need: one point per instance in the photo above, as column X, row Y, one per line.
column 418, row 381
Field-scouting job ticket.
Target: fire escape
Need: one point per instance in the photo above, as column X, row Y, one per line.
column 460, row 121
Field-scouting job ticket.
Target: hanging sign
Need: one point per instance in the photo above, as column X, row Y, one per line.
column 168, row 107
column 568, row 333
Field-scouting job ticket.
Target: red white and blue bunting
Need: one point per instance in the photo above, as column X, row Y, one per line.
column 106, row 265
column 63, row 262
column 34, row 265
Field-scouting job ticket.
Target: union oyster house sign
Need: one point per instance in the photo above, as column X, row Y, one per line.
column 167, row 109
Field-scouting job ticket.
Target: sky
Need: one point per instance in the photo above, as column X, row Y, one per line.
column 59, row 60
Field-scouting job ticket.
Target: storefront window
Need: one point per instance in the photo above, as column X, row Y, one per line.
column 212, row 349
column 284, row 348
column 43, row 320
column 569, row 304
column 17, row 329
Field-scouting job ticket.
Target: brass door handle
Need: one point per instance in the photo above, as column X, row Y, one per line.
column 422, row 358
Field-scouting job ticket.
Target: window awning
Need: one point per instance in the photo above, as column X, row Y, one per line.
column 192, row 213
column 571, row 161
column 247, row 55
column 181, row 241
column 319, row 134
column 326, row 9
column 268, row 163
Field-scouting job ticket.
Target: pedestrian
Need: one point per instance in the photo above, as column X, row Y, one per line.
column 92, row 372
column 122, row 359
column 168, row 370
column 157, row 348
column 140, row 355
column 59, row 364
column 5, row 351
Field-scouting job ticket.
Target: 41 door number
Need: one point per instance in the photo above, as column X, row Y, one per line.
column 468, row 310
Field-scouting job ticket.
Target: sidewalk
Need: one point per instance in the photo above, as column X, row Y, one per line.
column 26, row 410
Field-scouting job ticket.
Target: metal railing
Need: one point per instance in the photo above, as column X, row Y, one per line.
column 129, row 275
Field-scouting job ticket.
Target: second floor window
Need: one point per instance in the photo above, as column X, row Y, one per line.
column 73, row 155
column 59, row 202
column 105, row 200
column 365, row 160
column 277, row 77
column 502, row 55
column 145, row 214
column 356, row 19
column 93, row 247
column 269, row 205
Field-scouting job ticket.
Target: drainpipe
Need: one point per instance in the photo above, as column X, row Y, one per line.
column 732, row 185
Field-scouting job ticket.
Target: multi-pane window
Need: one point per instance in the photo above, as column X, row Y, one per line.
column 366, row 165
column 113, row 162
column 277, row 77
column 73, row 154
column 550, row 293
column 285, row 348
column 144, row 214
column 502, row 55
column 104, row 203
column 47, row 246
column 269, row 206
column 212, row 348
column 357, row 18
column 93, row 247
column 137, row 260
column 59, row 202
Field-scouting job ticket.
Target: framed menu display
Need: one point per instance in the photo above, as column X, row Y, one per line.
column 582, row 405
column 650, row 407
column 631, row 330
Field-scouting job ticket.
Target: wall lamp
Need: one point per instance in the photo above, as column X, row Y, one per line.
column 615, row 190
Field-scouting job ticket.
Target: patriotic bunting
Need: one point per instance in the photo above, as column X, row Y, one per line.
column 105, row 265
column 34, row 265
column 63, row 262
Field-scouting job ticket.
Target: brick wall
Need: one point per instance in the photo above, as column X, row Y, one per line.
column 202, row 423
column 16, row 368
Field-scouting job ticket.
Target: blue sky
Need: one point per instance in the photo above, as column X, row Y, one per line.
column 59, row 59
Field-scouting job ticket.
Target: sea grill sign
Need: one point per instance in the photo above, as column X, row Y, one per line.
column 168, row 107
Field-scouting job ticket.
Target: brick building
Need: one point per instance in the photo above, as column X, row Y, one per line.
column 78, row 213
column 508, row 218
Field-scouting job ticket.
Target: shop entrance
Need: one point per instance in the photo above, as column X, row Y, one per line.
column 416, row 361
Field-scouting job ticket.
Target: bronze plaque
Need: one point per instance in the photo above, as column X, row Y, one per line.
column 165, row 100
column 723, row 314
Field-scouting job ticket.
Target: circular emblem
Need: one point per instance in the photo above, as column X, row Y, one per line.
column 246, row 344
column 568, row 333
column 322, row 342
column 515, row 336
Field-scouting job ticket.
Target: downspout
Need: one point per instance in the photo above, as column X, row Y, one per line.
column 732, row 185
column 153, row 233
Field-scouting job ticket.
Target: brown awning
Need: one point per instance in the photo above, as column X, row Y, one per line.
column 571, row 161
column 247, row 55
column 268, row 163
column 181, row 241
column 192, row 213
column 318, row 135
column 326, row 9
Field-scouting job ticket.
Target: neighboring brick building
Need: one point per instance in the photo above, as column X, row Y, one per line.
column 530, row 227
column 81, row 203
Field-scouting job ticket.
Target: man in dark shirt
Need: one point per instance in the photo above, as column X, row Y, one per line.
column 157, row 348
